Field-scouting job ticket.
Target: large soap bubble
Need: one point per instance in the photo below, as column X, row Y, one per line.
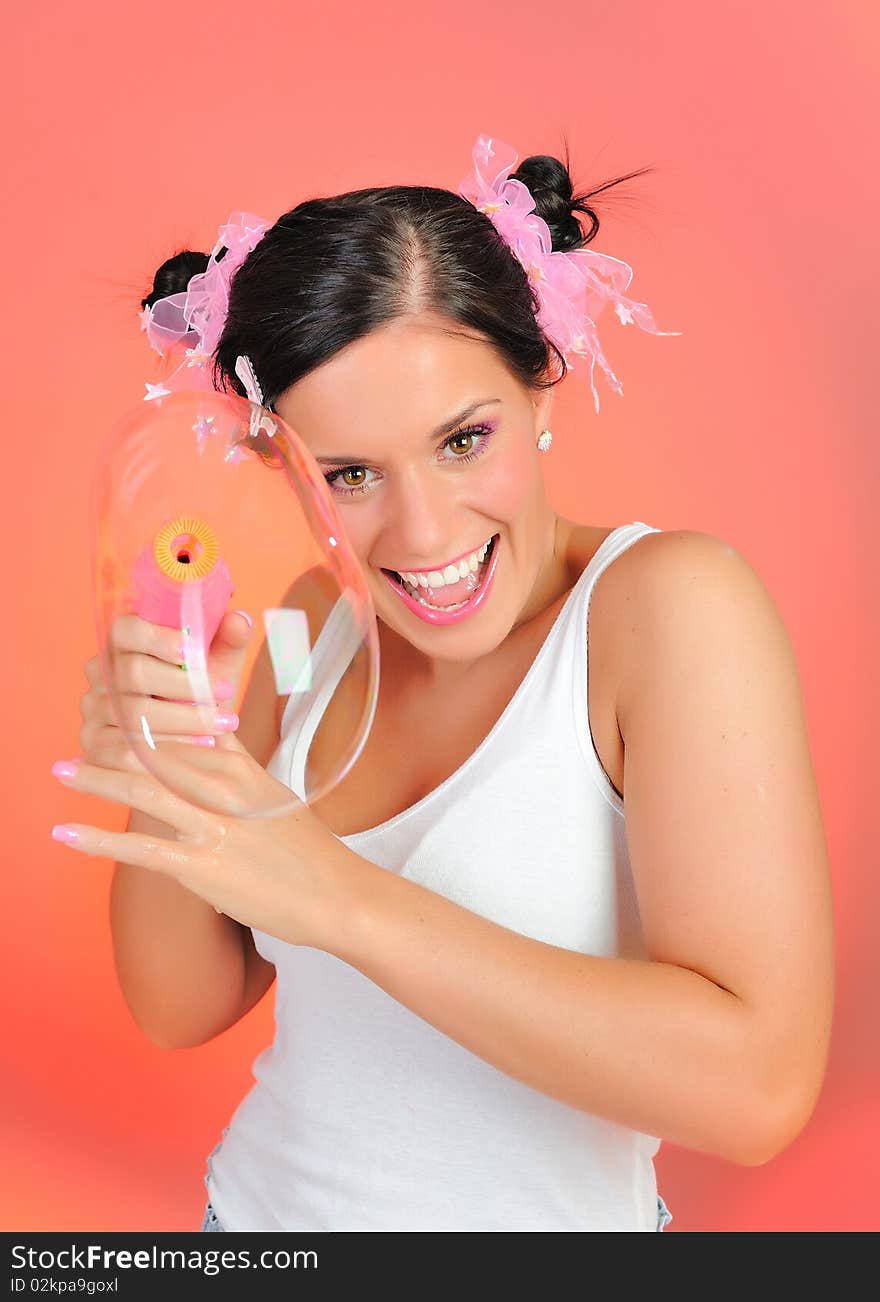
column 204, row 502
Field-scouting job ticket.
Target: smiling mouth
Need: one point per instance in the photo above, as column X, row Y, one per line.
column 448, row 595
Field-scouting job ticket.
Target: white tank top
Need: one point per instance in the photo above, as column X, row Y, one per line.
column 365, row 1117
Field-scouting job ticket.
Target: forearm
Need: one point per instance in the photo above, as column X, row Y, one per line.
column 180, row 964
column 651, row 1046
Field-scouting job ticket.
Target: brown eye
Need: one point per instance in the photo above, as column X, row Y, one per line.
column 347, row 489
column 465, row 434
column 343, row 486
column 480, row 432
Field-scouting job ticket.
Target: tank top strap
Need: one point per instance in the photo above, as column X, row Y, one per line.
column 612, row 546
column 577, row 637
column 616, row 542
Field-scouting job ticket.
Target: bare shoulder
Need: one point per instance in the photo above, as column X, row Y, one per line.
column 666, row 594
column 691, row 590
column 618, row 647
column 688, row 554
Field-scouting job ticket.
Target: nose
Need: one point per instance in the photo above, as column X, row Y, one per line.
column 426, row 522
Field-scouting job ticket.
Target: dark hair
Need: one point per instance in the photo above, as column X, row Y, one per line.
column 333, row 269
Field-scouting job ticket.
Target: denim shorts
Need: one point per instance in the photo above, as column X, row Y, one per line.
column 210, row 1222
column 211, row 1225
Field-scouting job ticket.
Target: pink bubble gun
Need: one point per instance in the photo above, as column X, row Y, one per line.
column 181, row 581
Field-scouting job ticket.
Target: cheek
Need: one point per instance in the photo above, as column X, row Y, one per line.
column 359, row 532
column 509, row 483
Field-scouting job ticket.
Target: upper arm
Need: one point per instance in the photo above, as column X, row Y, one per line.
column 723, row 819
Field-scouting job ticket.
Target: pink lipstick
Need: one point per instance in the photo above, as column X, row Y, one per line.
column 463, row 610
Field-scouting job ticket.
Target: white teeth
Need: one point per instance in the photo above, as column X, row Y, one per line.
column 451, row 574
column 455, row 606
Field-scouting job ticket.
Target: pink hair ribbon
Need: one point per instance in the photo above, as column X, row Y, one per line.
column 573, row 286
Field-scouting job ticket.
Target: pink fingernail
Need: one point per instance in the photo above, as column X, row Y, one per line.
column 65, row 768
column 203, row 741
column 61, row 832
column 224, row 719
column 246, row 616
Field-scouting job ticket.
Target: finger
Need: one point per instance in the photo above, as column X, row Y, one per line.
column 93, row 673
column 140, row 714
column 145, row 663
column 130, row 632
column 226, row 652
column 136, row 848
column 142, row 659
column 223, row 779
column 110, row 748
column 210, row 759
column 234, row 631
column 229, row 648
column 219, row 779
column 197, row 739
column 138, row 790
column 137, row 674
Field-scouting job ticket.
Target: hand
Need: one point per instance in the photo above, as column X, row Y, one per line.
column 147, row 672
column 280, row 874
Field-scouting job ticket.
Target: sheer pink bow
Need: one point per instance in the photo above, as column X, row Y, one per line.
column 572, row 286
column 199, row 311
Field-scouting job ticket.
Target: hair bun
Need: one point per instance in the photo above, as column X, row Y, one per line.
column 175, row 274
column 549, row 182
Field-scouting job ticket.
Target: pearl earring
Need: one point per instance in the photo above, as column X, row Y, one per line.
column 544, row 441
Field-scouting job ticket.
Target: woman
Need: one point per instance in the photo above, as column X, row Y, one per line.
column 500, row 984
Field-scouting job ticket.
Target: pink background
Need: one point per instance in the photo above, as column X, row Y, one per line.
column 756, row 236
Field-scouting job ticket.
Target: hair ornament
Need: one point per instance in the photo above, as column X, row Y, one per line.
column 572, row 286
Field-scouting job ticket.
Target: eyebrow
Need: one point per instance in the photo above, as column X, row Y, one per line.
column 445, row 428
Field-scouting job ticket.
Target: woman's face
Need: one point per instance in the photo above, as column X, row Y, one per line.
column 418, row 484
